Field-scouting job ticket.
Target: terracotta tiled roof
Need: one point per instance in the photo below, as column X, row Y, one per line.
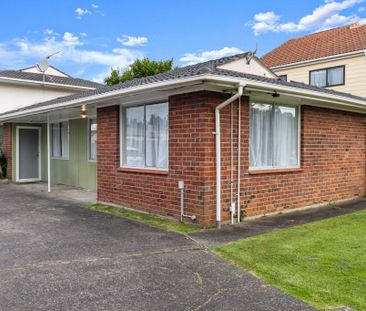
column 321, row 44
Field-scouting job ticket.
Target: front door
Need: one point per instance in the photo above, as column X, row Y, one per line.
column 28, row 154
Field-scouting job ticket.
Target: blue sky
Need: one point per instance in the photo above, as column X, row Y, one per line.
column 95, row 35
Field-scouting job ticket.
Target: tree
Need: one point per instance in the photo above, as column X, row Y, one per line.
column 138, row 69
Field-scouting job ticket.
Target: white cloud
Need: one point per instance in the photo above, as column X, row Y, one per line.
column 325, row 16
column 69, row 39
column 81, row 12
column 361, row 9
column 48, row 31
column 201, row 56
column 132, row 41
column 22, row 52
column 83, row 34
column 94, row 6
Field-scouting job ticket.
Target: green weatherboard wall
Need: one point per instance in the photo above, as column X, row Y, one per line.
column 77, row 171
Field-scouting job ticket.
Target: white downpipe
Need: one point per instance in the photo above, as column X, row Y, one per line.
column 218, row 151
column 48, row 154
column 239, row 155
column 232, row 209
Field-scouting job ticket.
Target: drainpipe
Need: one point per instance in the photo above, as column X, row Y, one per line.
column 239, row 155
column 218, row 151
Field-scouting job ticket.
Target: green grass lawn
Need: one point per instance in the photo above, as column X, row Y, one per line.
column 151, row 220
column 322, row 263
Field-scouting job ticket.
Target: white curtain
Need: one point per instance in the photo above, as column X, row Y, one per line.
column 273, row 136
column 318, row 78
column 260, row 141
column 157, row 135
column 64, row 139
column 92, row 139
column 285, row 136
column 60, row 139
column 134, row 154
column 56, row 140
column 335, row 76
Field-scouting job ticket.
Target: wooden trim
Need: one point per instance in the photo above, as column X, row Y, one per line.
column 275, row 171
column 142, row 171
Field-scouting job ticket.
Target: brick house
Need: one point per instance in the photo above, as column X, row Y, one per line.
column 243, row 141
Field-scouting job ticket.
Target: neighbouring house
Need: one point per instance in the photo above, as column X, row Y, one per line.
column 24, row 87
column 241, row 140
column 334, row 58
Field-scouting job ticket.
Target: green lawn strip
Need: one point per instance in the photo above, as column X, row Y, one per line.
column 322, row 263
column 152, row 220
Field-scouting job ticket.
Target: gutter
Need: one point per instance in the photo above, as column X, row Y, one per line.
column 218, row 151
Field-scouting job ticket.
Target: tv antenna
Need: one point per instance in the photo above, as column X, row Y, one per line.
column 43, row 64
column 252, row 54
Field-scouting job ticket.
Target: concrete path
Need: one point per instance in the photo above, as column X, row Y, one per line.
column 265, row 224
column 56, row 255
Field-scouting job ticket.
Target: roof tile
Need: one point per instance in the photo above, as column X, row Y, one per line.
column 317, row 45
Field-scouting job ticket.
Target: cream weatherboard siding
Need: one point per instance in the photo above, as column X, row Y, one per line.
column 77, row 171
column 14, row 96
column 355, row 74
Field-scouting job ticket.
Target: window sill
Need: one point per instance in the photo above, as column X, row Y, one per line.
column 275, row 171
column 142, row 171
column 62, row 159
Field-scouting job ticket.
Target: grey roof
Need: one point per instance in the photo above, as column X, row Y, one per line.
column 37, row 77
column 209, row 67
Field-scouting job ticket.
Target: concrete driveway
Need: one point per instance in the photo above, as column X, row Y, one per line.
column 56, row 255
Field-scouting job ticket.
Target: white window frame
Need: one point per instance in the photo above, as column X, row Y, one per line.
column 89, row 138
column 274, row 168
column 121, row 138
column 66, row 157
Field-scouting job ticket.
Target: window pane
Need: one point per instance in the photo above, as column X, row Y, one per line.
column 285, row 137
column 64, row 139
column 56, row 140
column 92, row 139
column 157, row 135
column 260, row 140
column 318, row 78
column 335, row 76
column 134, row 146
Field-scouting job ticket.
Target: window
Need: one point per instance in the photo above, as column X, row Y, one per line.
column 60, row 140
column 92, row 140
column 145, row 136
column 274, row 136
column 327, row 77
column 283, row 77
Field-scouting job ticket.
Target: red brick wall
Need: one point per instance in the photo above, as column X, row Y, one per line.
column 7, row 146
column 332, row 162
column 190, row 159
